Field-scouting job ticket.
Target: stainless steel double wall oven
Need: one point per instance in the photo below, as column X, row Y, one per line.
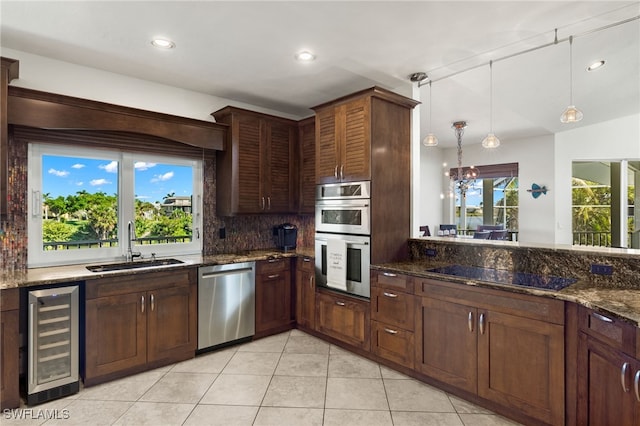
column 343, row 212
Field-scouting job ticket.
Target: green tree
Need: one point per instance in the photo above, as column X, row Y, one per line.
column 56, row 231
column 102, row 214
column 55, row 206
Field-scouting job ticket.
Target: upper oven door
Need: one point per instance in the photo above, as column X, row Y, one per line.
column 341, row 191
column 343, row 216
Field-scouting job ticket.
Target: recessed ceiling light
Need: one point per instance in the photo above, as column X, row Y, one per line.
column 305, row 56
column 163, row 43
column 594, row 66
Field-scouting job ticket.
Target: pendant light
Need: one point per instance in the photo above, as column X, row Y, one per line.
column 491, row 141
column 571, row 114
column 430, row 139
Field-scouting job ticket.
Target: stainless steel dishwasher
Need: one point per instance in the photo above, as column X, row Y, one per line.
column 226, row 303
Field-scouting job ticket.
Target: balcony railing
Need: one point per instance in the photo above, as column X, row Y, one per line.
column 87, row 244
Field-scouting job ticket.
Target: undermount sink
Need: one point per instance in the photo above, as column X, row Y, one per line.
column 133, row 265
column 544, row 282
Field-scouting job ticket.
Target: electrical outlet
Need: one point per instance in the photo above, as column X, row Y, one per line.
column 601, row 269
column 222, row 233
column 431, row 252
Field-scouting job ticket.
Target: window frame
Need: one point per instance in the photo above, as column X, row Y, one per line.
column 38, row 257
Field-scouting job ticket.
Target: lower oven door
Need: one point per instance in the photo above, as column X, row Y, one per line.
column 358, row 259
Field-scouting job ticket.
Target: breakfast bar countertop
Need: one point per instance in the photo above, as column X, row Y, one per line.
column 622, row 303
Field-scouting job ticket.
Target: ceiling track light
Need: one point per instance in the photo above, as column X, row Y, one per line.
column 571, row 114
column 491, row 141
column 430, row 139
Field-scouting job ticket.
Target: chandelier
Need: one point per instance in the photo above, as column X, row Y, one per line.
column 464, row 177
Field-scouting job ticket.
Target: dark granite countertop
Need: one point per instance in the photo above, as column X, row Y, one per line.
column 623, row 303
column 68, row 273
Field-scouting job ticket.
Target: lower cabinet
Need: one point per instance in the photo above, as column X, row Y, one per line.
column 9, row 349
column 273, row 296
column 305, row 292
column 129, row 331
column 344, row 318
column 608, row 372
column 508, row 349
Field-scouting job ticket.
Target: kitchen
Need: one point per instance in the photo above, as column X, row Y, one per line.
column 242, row 232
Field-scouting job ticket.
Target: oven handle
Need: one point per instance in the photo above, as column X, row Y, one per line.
column 343, row 205
column 362, row 243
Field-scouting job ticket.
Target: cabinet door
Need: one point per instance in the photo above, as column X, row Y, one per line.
column 273, row 300
column 355, row 150
column 247, row 175
column 521, row 365
column 171, row 319
column 116, row 330
column 326, row 147
column 605, row 386
column 305, row 293
column 344, row 319
column 446, row 346
column 9, row 356
column 277, row 182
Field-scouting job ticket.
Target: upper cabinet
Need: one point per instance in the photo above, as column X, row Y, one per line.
column 9, row 71
column 307, row 165
column 350, row 128
column 256, row 171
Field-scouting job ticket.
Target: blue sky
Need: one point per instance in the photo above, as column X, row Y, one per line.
column 68, row 175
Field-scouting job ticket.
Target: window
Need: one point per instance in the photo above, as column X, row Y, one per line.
column 82, row 200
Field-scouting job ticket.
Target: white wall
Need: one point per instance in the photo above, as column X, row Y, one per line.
column 611, row 140
column 49, row 75
column 431, row 180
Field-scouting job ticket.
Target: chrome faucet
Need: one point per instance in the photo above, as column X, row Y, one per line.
column 131, row 236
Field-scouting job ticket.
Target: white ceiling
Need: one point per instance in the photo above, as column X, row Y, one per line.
column 245, row 51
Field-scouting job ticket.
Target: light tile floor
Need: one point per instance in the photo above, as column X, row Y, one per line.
column 288, row 379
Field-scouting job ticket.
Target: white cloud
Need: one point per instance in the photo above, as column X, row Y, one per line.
column 78, row 166
column 59, row 173
column 162, row 178
column 98, row 182
column 143, row 165
column 143, row 197
column 80, row 183
column 112, row 167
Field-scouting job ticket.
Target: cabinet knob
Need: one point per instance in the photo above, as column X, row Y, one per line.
column 153, row 300
column 273, row 276
column 390, row 331
column 389, row 274
column 470, row 322
column 623, row 376
column 142, row 304
column 392, row 295
column 339, row 303
column 306, row 259
column 481, row 323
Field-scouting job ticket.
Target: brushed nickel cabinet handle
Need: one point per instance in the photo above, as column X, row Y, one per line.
column 481, row 323
column 262, row 205
column 142, row 304
column 623, row 376
column 273, row 276
column 306, row 259
column 388, row 330
column 392, row 295
column 339, row 303
column 335, row 172
column 389, row 274
column 470, row 322
column 268, row 203
column 601, row 317
column 341, row 172
column 153, row 304
column 636, row 385
column 311, row 281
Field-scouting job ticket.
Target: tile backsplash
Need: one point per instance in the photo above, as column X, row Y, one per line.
column 242, row 232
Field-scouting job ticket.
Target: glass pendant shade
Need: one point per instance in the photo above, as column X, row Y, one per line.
column 430, row 140
column 491, row 141
column 571, row 115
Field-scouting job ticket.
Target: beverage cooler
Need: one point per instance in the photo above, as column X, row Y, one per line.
column 53, row 322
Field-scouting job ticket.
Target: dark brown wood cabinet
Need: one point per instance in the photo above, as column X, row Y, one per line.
column 608, row 371
column 344, row 318
column 256, row 171
column 393, row 317
column 505, row 348
column 305, row 292
column 9, row 70
column 273, row 296
column 307, row 165
column 9, row 349
column 129, row 331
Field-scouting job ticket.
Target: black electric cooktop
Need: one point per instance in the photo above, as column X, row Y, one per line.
column 544, row 282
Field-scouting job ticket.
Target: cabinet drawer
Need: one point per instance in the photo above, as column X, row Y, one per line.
column 391, row 279
column 392, row 343
column 391, row 306
column 616, row 333
column 272, row 265
column 306, row 264
column 124, row 284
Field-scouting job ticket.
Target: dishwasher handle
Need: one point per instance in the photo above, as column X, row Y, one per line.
column 223, row 273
